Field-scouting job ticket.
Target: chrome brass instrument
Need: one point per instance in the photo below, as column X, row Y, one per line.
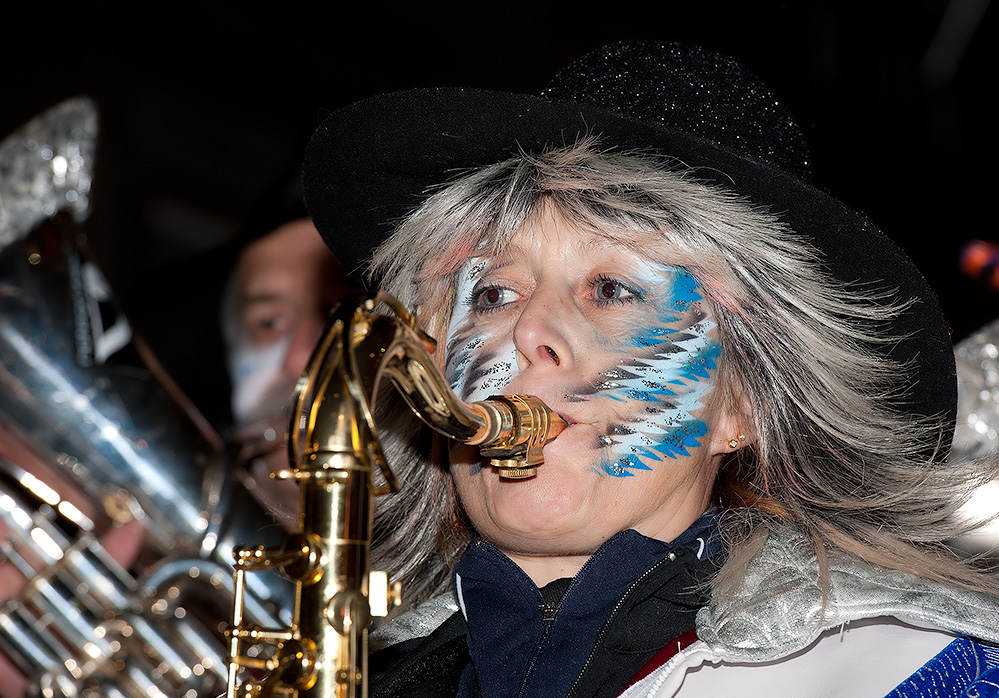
column 81, row 398
column 335, row 451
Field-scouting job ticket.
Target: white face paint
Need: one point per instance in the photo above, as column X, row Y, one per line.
column 254, row 372
column 474, row 371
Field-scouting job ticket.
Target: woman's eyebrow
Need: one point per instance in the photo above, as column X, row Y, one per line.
column 491, row 266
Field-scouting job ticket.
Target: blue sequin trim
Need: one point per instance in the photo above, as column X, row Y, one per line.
column 963, row 669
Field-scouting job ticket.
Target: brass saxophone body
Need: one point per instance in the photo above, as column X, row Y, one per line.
column 335, row 451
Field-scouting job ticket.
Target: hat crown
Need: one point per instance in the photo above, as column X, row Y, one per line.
column 690, row 89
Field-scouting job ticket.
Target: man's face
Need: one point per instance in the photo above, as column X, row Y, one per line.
column 283, row 288
column 625, row 350
column 285, row 284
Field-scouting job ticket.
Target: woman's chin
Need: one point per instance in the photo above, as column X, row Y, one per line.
column 535, row 515
column 556, row 541
column 560, row 508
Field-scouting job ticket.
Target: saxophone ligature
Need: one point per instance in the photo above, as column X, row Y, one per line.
column 334, row 447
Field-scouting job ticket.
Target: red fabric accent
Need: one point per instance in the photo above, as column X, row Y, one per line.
column 663, row 655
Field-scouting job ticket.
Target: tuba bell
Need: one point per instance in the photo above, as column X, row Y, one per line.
column 334, row 453
column 95, row 439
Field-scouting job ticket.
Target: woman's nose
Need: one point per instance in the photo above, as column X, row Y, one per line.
column 545, row 331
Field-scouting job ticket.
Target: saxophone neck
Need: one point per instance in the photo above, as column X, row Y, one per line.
column 362, row 347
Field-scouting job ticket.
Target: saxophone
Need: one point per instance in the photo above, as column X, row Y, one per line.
column 334, row 447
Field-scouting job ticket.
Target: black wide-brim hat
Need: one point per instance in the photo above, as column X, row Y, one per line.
column 372, row 162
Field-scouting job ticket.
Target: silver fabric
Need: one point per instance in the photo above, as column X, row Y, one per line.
column 417, row 622
column 977, row 430
column 779, row 608
column 46, row 166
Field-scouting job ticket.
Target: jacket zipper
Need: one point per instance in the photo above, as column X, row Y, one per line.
column 617, row 608
column 548, row 619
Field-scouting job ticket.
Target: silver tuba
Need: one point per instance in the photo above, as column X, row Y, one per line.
column 334, row 452
column 84, row 404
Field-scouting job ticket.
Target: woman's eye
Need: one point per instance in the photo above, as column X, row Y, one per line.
column 610, row 290
column 494, row 297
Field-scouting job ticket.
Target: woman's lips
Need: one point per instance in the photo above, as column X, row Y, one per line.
column 568, row 419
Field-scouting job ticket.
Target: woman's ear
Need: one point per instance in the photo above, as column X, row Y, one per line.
column 735, row 426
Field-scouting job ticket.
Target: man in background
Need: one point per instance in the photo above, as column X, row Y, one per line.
column 235, row 328
column 275, row 308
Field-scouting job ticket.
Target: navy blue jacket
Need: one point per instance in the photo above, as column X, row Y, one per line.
column 582, row 637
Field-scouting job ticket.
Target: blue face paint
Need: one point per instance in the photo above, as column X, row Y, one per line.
column 657, row 348
column 669, row 378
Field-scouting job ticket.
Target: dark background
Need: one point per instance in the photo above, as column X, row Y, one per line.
column 204, row 104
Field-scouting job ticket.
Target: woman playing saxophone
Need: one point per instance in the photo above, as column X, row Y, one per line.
column 751, row 492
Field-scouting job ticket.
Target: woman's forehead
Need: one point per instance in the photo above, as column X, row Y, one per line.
column 579, row 254
column 552, row 235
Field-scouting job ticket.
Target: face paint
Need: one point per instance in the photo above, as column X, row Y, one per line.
column 475, row 369
column 649, row 361
column 254, row 371
column 668, row 378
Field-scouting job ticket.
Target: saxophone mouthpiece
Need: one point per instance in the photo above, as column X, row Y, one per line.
column 515, row 431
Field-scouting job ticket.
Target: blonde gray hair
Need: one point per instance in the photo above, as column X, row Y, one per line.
column 831, row 453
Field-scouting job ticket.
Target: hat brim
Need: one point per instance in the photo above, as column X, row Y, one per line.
column 373, row 162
